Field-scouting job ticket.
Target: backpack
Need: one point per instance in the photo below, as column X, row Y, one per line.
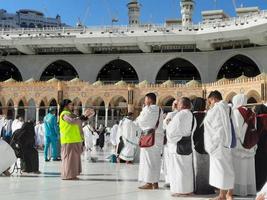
column 252, row 135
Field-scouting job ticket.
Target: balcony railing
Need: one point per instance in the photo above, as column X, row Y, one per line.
column 68, row 31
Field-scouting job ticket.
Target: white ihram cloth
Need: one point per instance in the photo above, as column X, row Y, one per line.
column 166, row 156
column 88, row 140
column 263, row 191
column 39, row 134
column 16, row 124
column 113, row 135
column 243, row 159
column 150, row 158
column 180, row 166
column 218, row 138
column 129, row 133
column 8, row 157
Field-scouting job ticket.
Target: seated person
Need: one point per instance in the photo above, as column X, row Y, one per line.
column 8, row 157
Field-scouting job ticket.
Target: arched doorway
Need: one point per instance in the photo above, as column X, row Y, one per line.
column 252, row 100
column 118, row 70
column 230, row 96
column 61, row 70
column 10, row 110
column 31, row 111
column 42, row 111
column 98, row 104
column 178, row 70
column 53, row 103
column 21, row 109
column 238, row 65
column 118, row 108
column 8, row 70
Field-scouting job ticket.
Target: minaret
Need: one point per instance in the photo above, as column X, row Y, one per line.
column 134, row 13
column 187, row 9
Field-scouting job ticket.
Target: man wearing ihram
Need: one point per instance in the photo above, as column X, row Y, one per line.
column 150, row 121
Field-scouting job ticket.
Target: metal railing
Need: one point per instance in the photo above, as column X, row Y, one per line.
column 67, row 31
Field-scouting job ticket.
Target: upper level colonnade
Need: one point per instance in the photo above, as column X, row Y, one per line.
column 153, row 67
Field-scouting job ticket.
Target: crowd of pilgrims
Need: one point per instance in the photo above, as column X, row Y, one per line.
column 204, row 146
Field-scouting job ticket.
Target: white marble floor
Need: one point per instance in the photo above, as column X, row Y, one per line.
column 101, row 180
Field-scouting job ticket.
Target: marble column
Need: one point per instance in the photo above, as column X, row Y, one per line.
column 106, row 116
column 16, row 109
column 112, row 115
column 25, row 114
column 37, row 114
column 83, row 110
column 118, row 115
column 46, row 111
column 96, row 118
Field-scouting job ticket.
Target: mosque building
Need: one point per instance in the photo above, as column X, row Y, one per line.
column 112, row 68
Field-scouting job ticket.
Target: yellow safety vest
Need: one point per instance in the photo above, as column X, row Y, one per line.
column 69, row 133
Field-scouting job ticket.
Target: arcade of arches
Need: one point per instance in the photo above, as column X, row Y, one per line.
column 112, row 102
column 177, row 70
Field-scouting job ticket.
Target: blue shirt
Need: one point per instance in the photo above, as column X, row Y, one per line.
column 50, row 125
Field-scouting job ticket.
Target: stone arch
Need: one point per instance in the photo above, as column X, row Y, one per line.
column 89, row 103
column 230, row 96
column 179, row 70
column 59, row 69
column 9, row 70
column 114, row 101
column 238, row 65
column 98, row 104
column 31, row 111
column 117, row 70
column 43, row 107
column 118, row 108
column 21, row 108
column 97, row 101
column 253, row 97
column 52, row 102
column 10, row 109
column 43, row 101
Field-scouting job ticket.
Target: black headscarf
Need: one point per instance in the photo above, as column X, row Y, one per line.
column 63, row 104
column 261, row 109
column 25, row 136
column 199, row 104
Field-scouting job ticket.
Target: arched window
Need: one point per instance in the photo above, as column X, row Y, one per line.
column 60, row 70
column 238, row 65
column 118, row 70
column 178, row 70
